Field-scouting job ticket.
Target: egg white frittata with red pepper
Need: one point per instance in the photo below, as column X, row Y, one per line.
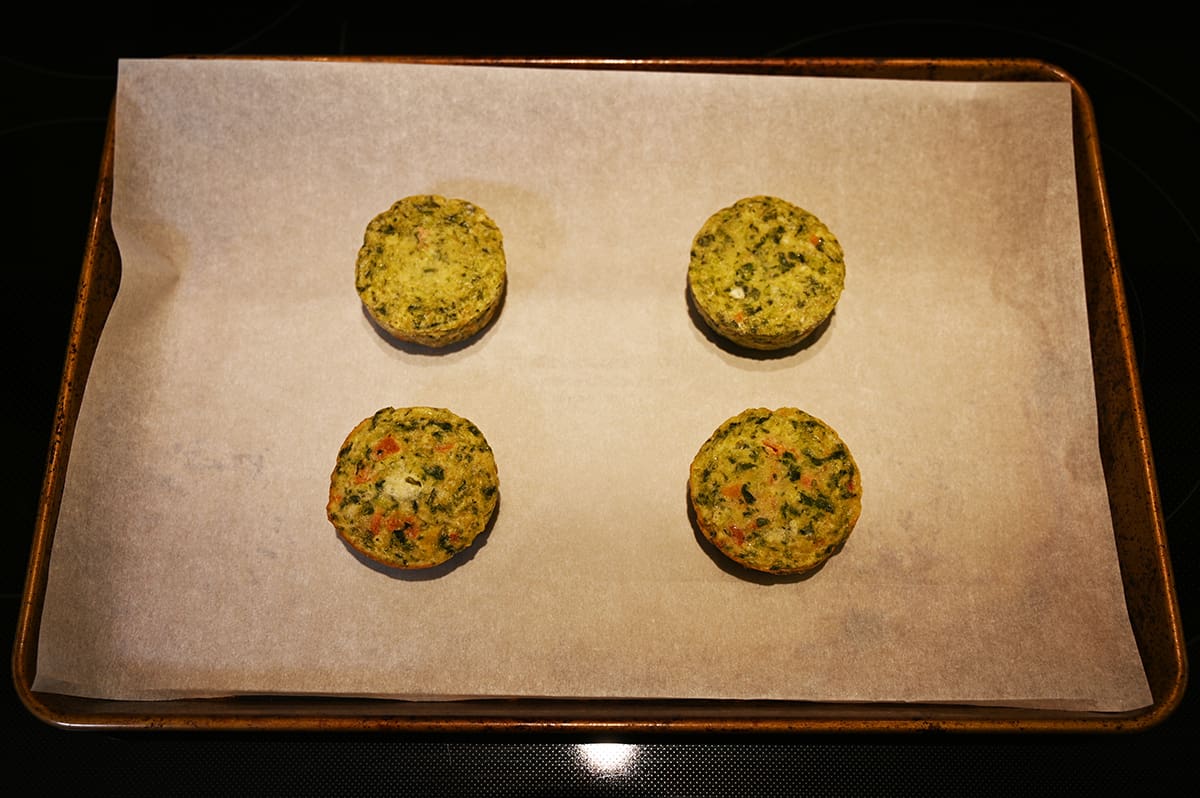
column 413, row 486
column 775, row 490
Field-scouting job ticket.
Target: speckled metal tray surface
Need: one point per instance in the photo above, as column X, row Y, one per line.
column 1125, row 452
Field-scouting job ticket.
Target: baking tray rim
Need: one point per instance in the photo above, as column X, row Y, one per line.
column 1141, row 538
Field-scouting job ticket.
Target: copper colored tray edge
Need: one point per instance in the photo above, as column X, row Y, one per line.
column 1125, row 452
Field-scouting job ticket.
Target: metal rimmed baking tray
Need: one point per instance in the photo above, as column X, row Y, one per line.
column 1125, row 452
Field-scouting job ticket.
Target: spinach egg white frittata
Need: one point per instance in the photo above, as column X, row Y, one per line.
column 431, row 270
column 413, row 486
column 775, row 490
column 765, row 273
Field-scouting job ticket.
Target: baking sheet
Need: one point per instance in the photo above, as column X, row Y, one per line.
column 192, row 556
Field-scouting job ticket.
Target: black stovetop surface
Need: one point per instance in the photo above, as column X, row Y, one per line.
column 58, row 76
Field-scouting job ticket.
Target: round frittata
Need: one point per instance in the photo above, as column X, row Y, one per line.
column 413, row 486
column 775, row 490
column 431, row 270
column 765, row 273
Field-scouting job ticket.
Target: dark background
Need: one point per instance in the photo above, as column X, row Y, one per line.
column 57, row 78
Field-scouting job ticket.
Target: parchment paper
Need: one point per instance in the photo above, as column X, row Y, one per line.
column 192, row 555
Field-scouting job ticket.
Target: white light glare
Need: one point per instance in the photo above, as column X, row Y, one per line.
column 607, row 757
